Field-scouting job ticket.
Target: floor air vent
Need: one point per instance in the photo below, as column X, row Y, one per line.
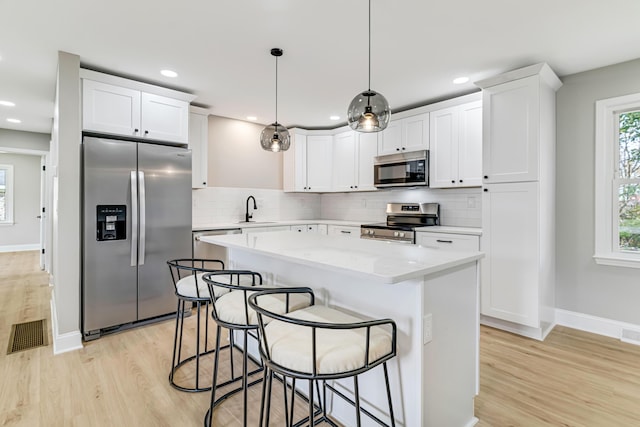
column 27, row 335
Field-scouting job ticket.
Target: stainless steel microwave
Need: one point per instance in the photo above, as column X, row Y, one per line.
column 402, row 170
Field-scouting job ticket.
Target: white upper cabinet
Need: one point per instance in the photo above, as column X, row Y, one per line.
column 406, row 134
column 511, row 131
column 117, row 106
column 110, row 109
column 455, row 158
column 199, row 145
column 308, row 163
column 353, row 157
column 164, row 119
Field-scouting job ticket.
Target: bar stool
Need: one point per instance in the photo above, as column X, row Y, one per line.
column 319, row 343
column 231, row 311
column 186, row 274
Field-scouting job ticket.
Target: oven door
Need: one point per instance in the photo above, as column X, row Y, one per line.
column 391, row 171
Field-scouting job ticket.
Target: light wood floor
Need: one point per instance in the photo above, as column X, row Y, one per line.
column 571, row 379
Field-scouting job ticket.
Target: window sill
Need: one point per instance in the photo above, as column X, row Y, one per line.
column 618, row 260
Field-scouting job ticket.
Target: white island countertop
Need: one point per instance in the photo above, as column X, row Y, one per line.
column 382, row 262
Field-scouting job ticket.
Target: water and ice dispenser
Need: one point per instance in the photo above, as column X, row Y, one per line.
column 111, row 222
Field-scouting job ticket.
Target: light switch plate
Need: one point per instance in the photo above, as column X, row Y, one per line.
column 427, row 328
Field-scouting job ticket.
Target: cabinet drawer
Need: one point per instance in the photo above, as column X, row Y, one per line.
column 453, row 242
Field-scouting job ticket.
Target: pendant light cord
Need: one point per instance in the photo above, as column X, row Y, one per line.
column 276, row 94
column 369, row 45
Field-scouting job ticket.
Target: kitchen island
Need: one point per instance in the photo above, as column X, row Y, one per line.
column 431, row 294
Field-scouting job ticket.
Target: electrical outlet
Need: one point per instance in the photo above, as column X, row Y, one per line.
column 471, row 202
column 427, row 329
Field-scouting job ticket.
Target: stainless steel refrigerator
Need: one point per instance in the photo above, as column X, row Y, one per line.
column 136, row 216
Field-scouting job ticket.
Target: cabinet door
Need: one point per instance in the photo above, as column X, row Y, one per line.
column 390, row 138
column 300, row 163
column 299, row 228
column 319, row 160
column 470, row 145
column 367, row 151
column 199, row 145
column 511, row 120
column 415, row 133
column 443, row 156
column 110, row 109
column 510, row 229
column 344, row 161
column 164, row 119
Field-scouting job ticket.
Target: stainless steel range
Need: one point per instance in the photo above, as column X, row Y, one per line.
column 402, row 220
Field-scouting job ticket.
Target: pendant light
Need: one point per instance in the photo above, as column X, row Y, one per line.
column 275, row 137
column 369, row 111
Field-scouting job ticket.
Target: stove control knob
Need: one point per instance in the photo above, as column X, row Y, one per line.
column 396, row 234
column 372, row 232
column 401, row 234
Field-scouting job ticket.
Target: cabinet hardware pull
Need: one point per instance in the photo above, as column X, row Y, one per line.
column 403, row 148
column 486, row 177
column 485, row 190
column 135, row 131
column 453, row 181
column 146, row 132
column 345, row 231
column 460, row 180
column 397, row 149
column 444, row 241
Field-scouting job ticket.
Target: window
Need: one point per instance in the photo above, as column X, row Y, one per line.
column 6, row 194
column 618, row 181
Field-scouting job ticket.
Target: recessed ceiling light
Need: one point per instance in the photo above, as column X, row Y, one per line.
column 460, row 80
column 334, row 117
column 14, row 121
column 169, row 73
column 7, row 103
column 252, row 118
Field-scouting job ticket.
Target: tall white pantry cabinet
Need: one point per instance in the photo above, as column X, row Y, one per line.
column 518, row 204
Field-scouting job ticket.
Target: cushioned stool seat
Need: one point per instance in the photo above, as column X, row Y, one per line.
column 193, row 286
column 337, row 350
column 232, row 305
column 319, row 343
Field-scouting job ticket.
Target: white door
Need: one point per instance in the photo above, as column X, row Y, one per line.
column 390, row 138
column 110, row 109
column 511, row 120
column 319, row 160
column 415, row 133
column 43, row 210
column 510, row 270
column 164, row 119
column 367, row 152
column 344, row 161
column 443, row 156
column 470, row 145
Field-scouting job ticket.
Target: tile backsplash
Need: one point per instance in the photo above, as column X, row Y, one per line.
column 214, row 205
column 458, row 207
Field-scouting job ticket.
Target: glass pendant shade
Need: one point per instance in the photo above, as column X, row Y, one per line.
column 275, row 137
column 369, row 112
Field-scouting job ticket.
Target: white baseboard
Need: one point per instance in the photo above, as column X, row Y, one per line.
column 63, row 343
column 598, row 325
column 20, row 248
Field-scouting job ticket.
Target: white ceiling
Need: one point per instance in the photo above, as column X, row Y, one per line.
column 221, row 49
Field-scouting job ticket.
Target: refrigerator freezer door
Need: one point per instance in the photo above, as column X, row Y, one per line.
column 109, row 281
column 167, row 224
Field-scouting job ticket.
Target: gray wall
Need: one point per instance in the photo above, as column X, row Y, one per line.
column 582, row 285
column 236, row 158
column 26, row 201
column 24, row 140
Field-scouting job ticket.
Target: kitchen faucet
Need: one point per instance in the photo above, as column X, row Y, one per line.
column 247, row 217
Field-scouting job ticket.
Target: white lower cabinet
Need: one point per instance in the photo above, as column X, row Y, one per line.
column 517, row 282
column 252, row 230
column 342, row 230
column 448, row 241
column 306, row 228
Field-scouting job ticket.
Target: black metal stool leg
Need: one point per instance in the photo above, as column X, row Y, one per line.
column 386, row 380
column 268, row 408
column 216, row 360
column 175, row 343
column 357, row 396
column 198, row 347
column 245, row 370
column 263, row 397
column 293, row 396
column 311, row 403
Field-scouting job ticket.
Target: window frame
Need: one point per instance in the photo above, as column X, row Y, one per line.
column 607, row 149
column 8, row 197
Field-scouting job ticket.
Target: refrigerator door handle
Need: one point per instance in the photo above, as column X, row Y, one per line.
column 143, row 216
column 134, row 218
